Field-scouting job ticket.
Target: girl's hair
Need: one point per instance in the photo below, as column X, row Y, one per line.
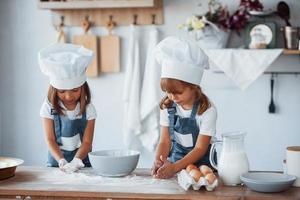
column 175, row 86
column 85, row 98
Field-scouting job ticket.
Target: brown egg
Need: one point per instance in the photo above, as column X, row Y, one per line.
column 190, row 167
column 210, row 178
column 196, row 174
column 205, row 169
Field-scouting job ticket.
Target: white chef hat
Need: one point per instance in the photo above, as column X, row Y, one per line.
column 65, row 64
column 181, row 59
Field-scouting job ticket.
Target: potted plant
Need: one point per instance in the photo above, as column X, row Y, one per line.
column 212, row 29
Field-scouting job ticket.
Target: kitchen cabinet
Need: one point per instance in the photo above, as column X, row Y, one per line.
column 50, row 183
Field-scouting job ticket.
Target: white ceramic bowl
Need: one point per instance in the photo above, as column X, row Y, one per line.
column 114, row 162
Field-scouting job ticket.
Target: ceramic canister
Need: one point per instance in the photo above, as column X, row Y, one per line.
column 293, row 163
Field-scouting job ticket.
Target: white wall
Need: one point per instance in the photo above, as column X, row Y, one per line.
column 0, row 133
column 25, row 29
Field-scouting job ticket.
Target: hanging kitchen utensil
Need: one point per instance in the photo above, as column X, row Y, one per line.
column 61, row 34
column 110, row 50
column 90, row 42
column 283, row 11
column 272, row 108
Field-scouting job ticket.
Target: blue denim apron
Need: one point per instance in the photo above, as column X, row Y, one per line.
column 188, row 128
column 64, row 127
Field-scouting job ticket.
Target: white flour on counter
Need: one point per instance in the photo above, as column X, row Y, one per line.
column 89, row 177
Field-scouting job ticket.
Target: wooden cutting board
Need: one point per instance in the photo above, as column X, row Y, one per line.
column 110, row 53
column 90, row 42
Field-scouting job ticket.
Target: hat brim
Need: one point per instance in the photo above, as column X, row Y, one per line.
column 68, row 84
column 182, row 71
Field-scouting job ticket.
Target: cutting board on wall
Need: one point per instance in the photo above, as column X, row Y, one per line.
column 90, row 42
column 110, row 50
column 110, row 53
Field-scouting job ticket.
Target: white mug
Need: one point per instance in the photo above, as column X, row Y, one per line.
column 293, row 163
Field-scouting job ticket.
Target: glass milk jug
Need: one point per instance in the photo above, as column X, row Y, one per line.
column 233, row 160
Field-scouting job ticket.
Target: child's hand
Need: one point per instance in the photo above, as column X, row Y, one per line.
column 62, row 162
column 73, row 166
column 166, row 171
column 156, row 165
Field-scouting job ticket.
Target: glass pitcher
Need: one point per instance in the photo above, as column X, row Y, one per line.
column 233, row 160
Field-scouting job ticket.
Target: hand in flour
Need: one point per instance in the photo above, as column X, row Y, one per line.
column 167, row 170
column 73, row 166
column 62, row 162
column 156, row 165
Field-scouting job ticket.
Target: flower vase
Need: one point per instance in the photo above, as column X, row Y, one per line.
column 211, row 37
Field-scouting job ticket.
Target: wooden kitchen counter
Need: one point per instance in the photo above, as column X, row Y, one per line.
column 51, row 183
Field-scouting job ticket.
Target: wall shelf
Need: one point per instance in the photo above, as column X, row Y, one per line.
column 291, row 52
column 100, row 12
column 96, row 4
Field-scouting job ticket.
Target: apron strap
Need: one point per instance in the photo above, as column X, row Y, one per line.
column 84, row 122
column 171, row 112
column 195, row 109
column 57, row 126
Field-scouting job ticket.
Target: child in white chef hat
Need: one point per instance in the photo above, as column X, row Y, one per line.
column 188, row 117
column 68, row 114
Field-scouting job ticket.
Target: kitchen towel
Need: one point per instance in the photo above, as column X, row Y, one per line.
column 150, row 95
column 243, row 66
column 131, row 95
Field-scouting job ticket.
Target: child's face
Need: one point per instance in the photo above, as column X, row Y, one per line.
column 180, row 92
column 184, row 96
column 69, row 97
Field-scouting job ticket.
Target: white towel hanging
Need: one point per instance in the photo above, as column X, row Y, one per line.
column 150, row 96
column 131, row 97
column 243, row 66
column 151, row 93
